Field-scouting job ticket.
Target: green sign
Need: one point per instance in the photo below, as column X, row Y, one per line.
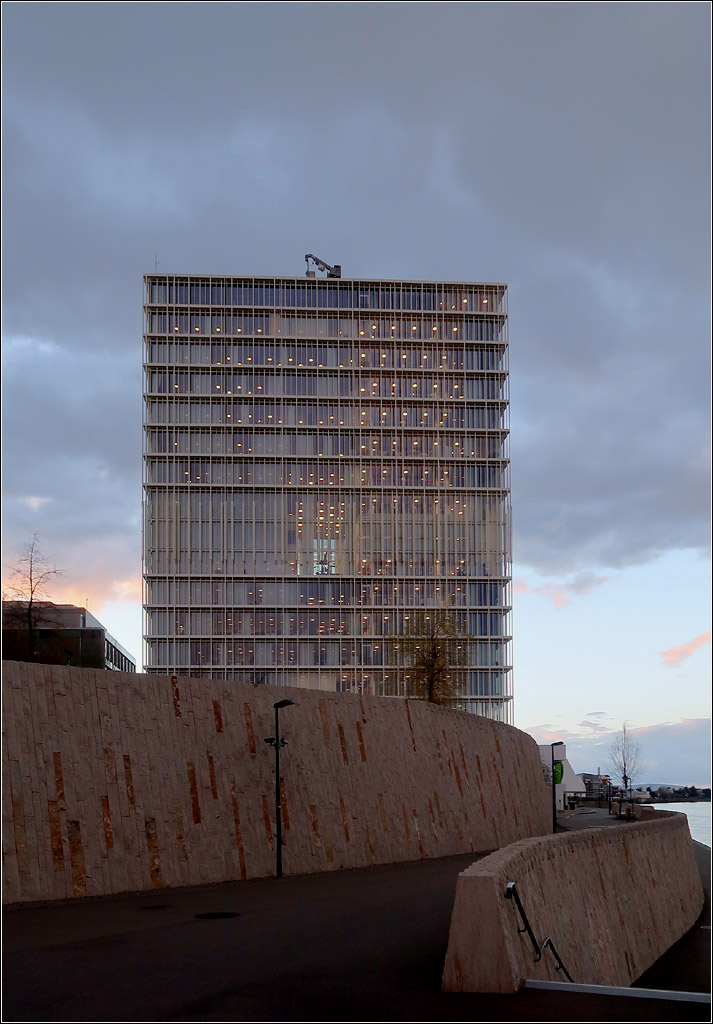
column 559, row 772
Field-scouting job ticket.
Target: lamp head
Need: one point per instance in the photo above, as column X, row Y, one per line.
column 283, row 703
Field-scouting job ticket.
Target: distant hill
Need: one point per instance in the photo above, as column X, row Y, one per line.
column 671, row 785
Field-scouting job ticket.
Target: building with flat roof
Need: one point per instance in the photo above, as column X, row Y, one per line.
column 326, row 461
column 571, row 788
column 64, row 634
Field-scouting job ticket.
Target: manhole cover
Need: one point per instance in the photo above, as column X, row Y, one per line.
column 214, row 915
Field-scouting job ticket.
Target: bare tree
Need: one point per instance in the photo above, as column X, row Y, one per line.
column 625, row 758
column 26, row 591
column 433, row 651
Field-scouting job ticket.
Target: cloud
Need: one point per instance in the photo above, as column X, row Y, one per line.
column 549, row 733
column 583, row 583
column 596, row 714
column 603, row 239
column 546, row 733
column 586, row 582
column 595, row 726
column 674, row 656
column 677, row 753
column 34, row 502
column 91, row 569
column 129, row 590
column 554, row 592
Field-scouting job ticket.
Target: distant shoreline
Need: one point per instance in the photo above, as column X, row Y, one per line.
column 681, row 800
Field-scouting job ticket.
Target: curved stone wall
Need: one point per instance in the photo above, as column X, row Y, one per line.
column 118, row 783
column 612, row 900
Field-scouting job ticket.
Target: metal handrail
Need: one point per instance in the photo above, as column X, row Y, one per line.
column 560, row 966
column 511, row 893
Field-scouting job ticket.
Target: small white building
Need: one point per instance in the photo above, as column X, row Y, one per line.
column 571, row 788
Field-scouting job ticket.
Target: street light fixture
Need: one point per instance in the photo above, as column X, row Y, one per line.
column 276, row 742
column 557, row 743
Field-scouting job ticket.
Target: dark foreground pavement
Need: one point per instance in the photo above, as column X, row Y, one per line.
column 365, row 945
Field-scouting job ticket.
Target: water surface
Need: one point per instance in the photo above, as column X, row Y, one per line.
column 699, row 818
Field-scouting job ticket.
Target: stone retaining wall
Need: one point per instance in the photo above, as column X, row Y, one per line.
column 117, row 783
column 612, row 899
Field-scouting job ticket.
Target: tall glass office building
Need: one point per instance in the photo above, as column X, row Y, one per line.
column 326, row 461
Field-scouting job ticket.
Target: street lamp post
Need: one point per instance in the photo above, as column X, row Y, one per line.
column 276, row 742
column 557, row 743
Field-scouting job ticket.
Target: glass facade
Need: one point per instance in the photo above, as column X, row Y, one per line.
column 324, row 460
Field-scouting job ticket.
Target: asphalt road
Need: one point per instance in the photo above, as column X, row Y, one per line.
column 364, row 945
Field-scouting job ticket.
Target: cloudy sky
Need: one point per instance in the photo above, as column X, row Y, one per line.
column 562, row 148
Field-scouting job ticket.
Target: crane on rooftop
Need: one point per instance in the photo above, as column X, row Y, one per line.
column 335, row 271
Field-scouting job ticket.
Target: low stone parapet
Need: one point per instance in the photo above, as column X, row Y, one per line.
column 644, row 812
column 611, row 899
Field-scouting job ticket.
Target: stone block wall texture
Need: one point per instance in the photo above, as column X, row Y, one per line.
column 612, row 900
column 117, row 783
